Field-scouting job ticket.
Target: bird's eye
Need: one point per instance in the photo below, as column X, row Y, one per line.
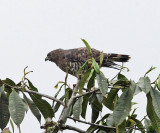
column 49, row 55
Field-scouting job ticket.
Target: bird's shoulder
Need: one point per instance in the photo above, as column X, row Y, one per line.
column 79, row 54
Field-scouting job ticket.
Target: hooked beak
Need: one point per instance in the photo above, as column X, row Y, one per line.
column 46, row 58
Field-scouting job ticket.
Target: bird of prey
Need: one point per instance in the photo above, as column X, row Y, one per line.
column 73, row 59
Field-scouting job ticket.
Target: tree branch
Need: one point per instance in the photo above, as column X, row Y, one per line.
column 86, row 93
column 93, row 91
column 72, row 128
column 92, row 124
column 34, row 92
column 103, row 126
column 66, row 108
column 44, row 95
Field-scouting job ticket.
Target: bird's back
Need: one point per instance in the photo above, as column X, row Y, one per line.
column 73, row 59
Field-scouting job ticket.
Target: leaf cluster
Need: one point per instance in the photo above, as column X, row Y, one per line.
column 115, row 94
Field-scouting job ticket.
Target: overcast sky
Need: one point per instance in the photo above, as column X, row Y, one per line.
column 29, row 29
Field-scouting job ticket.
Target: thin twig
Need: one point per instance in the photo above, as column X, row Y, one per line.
column 103, row 126
column 34, row 92
column 92, row 124
column 86, row 93
column 144, row 118
column 118, row 72
column 44, row 95
column 72, row 128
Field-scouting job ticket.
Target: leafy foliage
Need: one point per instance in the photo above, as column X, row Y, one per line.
column 77, row 108
column 4, row 111
column 123, row 107
column 115, row 95
column 16, row 108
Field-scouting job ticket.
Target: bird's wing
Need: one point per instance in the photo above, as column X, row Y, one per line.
column 81, row 55
column 77, row 55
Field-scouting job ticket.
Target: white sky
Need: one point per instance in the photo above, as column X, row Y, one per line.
column 30, row 29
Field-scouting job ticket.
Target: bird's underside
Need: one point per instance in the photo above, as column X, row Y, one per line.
column 73, row 59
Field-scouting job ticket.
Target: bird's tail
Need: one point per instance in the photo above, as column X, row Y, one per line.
column 111, row 64
column 109, row 60
column 118, row 57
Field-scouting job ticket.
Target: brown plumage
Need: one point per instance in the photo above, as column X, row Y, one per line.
column 73, row 59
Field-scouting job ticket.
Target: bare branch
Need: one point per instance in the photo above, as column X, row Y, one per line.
column 103, row 126
column 46, row 96
column 86, row 93
column 66, row 108
column 34, row 92
column 72, row 128
column 89, row 123
column 93, row 91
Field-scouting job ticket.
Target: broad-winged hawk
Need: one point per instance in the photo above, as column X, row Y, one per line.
column 73, row 59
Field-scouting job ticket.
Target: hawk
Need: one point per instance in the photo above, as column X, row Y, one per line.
column 73, row 59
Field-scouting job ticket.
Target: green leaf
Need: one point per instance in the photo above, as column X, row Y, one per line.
column 57, row 93
column 16, row 108
column 139, row 125
column 83, row 67
column 77, row 108
column 31, row 86
column 91, row 129
column 99, row 98
column 56, row 107
column 145, row 84
column 109, row 102
column 25, row 105
column 84, row 106
column 95, row 113
column 137, row 90
column 133, row 122
column 147, row 123
column 152, row 68
column 33, row 108
column 155, row 101
column 1, row 89
column 44, row 107
column 133, row 86
column 10, row 82
column 101, row 58
column 102, row 83
column 148, row 126
column 95, row 65
column 68, row 93
column 94, row 100
column 87, row 46
column 155, row 121
column 159, row 82
column 109, row 120
column 8, row 88
column 121, row 84
column 121, row 77
column 83, row 81
column 122, row 107
column 121, row 128
column 4, row 112
column 91, row 79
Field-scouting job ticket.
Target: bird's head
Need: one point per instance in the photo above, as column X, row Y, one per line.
column 53, row 55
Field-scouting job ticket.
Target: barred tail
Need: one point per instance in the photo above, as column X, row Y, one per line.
column 118, row 57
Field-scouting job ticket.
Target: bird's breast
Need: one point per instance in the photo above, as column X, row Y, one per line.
column 71, row 67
